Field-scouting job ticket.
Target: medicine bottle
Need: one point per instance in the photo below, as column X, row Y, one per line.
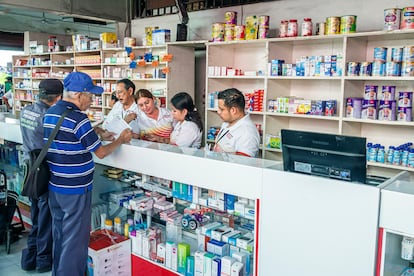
column 126, row 230
column 307, row 27
column 292, row 28
column 117, row 225
column 108, row 224
column 283, row 28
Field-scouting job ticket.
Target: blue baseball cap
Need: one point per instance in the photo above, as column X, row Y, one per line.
column 81, row 82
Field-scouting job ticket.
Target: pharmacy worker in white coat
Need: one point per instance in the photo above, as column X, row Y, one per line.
column 188, row 128
column 238, row 134
column 124, row 108
column 155, row 123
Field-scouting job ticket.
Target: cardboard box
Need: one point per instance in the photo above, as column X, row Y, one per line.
column 109, row 254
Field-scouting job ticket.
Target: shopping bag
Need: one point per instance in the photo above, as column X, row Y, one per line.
column 36, row 182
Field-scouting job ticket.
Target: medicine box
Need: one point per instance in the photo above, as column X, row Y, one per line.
column 199, row 263
column 109, row 254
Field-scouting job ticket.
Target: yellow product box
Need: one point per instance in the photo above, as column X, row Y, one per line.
column 108, row 37
column 148, row 35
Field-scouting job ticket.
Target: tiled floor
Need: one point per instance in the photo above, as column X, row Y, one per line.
column 10, row 263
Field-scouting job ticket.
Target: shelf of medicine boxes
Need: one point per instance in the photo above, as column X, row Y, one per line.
column 358, row 47
column 241, row 184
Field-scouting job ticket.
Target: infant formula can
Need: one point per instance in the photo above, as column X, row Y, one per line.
column 228, row 32
column 407, row 69
column 369, row 109
column 230, row 17
column 353, row 107
column 388, row 93
column 396, row 54
column 251, row 27
column 353, row 68
column 370, row 92
column 380, row 54
column 405, row 99
column 387, row 110
column 407, row 18
column 333, row 25
column 239, row 32
column 365, row 69
column 218, row 32
column 320, row 28
column 404, row 114
column 408, row 54
column 263, row 26
column 378, row 68
column 392, row 69
column 264, row 21
column 348, row 24
column 392, row 19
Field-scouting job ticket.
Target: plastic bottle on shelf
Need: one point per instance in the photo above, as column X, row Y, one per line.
column 390, row 154
column 108, row 224
column 307, row 27
column 407, row 247
column 381, row 155
column 292, row 28
column 411, row 158
column 117, row 225
column 283, row 28
column 404, row 157
column 369, row 146
column 396, row 157
column 126, row 229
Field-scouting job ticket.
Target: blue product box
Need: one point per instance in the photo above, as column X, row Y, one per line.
column 189, row 192
column 189, row 266
column 229, row 202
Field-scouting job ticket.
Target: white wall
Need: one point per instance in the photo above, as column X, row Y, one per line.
column 369, row 12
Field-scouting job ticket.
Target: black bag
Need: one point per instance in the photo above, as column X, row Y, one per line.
column 36, row 183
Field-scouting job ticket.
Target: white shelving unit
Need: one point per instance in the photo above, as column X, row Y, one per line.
column 358, row 47
column 27, row 69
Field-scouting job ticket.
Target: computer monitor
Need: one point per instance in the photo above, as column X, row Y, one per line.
column 327, row 155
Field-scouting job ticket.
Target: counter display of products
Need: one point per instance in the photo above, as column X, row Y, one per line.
column 319, row 221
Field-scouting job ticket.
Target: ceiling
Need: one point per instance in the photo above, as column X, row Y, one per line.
column 15, row 19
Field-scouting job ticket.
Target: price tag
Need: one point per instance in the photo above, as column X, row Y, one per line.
column 166, row 70
column 155, row 63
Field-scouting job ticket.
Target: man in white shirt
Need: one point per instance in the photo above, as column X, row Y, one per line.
column 238, row 134
column 125, row 108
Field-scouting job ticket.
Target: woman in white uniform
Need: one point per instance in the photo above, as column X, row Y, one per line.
column 188, row 129
column 155, row 123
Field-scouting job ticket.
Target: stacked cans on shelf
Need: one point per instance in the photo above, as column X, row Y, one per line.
column 395, row 19
column 255, row 27
column 399, row 63
column 402, row 155
column 388, row 106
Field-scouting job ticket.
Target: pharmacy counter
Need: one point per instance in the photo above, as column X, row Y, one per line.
column 304, row 225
